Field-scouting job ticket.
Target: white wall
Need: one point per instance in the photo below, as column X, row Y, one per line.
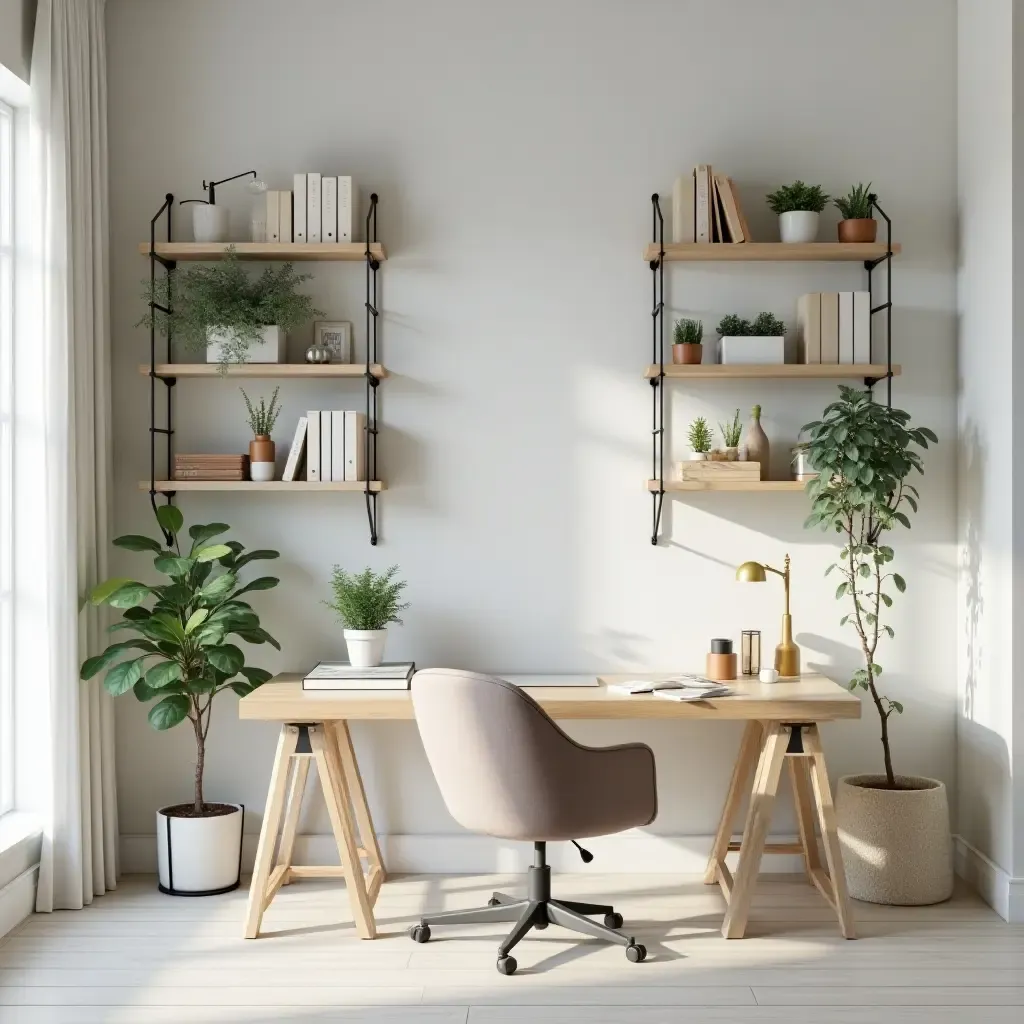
column 515, row 148
column 991, row 183
column 17, row 19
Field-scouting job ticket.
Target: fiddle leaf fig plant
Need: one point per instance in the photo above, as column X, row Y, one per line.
column 864, row 452
column 180, row 655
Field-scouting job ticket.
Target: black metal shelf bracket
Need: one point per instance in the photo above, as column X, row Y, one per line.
column 169, row 382
column 657, row 358
column 372, row 337
column 883, row 307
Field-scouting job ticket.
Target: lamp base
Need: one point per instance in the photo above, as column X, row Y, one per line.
column 787, row 660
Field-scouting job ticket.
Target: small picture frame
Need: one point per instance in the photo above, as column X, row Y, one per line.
column 336, row 336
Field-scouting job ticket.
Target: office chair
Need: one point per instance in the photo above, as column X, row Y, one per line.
column 506, row 770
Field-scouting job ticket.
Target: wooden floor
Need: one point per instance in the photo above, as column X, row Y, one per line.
column 137, row 957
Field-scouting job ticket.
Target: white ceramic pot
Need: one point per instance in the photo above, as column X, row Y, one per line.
column 209, row 223
column 752, row 349
column 199, row 856
column 798, row 226
column 896, row 843
column 271, row 348
column 365, row 646
column 262, row 471
column 700, row 456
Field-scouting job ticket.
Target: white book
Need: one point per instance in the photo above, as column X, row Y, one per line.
column 808, row 314
column 286, row 216
column 313, row 446
column 355, row 445
column 702, row 204
column 313, row 206
column 846, row 327
column 682, row 209
column 346, row 209
column 862, row 327
column 345, row 670
column 329, row 208
column 325, row 447
column 299, row 212
column 365, row 679
column 337, row 444
column 295, row 452
column 273, row 215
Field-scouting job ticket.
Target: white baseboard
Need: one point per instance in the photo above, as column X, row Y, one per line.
column 1001, row 891
column 472, row 854
column 18, row 900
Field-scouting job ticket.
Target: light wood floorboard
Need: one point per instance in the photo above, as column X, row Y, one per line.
column 138, row 957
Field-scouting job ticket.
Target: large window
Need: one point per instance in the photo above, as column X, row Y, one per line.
column 6, row 450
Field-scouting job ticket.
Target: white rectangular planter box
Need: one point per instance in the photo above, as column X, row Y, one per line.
column 747, row 350
column 272, row 349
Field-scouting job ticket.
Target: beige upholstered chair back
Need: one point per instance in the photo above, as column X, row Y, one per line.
column 505, row 769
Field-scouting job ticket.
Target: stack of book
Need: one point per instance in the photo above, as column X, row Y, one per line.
column 340, row 675
column 322, row 208
column 211, row 467
column 835, row 327
column 332, row 443
column 706, row 208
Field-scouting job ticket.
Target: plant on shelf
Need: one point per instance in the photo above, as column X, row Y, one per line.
column 798, row 206
column 262, row 450
column 857, row 224
column 731, row 432
column 733, row 326
column 767, row 325
column 366, row 602
column 864, row 453
column 180, row 655
column 687, row 336
column 220, row 309
column 700, row 439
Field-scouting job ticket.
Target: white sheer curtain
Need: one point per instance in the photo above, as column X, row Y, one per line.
column 72, row 739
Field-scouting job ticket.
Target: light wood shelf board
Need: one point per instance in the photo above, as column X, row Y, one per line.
column 245, row 486
column 787, row 371
column 208, row 251
column 268, row 370
column 787, row 252
column 760, row 486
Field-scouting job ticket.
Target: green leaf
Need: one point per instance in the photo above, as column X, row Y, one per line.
column 876, row 670
column 897, row 705
column 263, row 583
column 256, row 676
column 901, row 584
column 121, row 678
column 143, row 692
column 103, row 591
column 201, row 534
column 172, row 565
column 257, row 636
column 227, row 658
column 242, row 689
column 864, row 569
column 93, row 666
column 136, row 614
column 162, row 675
column 886, row 600
column 830, row 568
column 135, row 542
column 841, row 589
column 203, row 685
column 218, row 587
column 196, row 619
column 170, row 711
column 889, row 630
column 171, row 626
column 170, row 519
column 129, row 595
column 212, row 552
column 251, row 556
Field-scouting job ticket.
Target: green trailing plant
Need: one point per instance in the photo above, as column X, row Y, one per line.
column 766, row 325
column 700, row 435
column 797, row 196
column 180, row 655
column 863, row 452
column 262, row 416
column 223, row 296
column 856, row 204
column 688, row 332
column 367, row 600
column 731, row 431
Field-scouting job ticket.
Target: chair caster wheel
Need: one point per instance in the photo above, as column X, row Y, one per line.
column 540, row 925
column 420, row 933
column 507, row 965
column 635, row 953
column 613, row 920
column 492, row 902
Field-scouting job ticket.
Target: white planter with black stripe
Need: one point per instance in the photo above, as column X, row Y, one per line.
column 199, row 856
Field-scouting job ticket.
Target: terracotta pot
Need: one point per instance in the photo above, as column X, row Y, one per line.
column 862, row 229
column 262, row 453
column 687, row 354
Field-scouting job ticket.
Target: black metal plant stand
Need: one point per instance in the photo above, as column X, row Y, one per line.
column 657, row 266
column 167, row 429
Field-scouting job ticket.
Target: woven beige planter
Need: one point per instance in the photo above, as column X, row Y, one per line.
column 896, row 843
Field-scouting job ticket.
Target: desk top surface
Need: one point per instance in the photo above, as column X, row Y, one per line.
column 810, row 698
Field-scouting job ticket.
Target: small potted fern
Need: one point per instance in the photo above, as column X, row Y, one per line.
column 857, row 224
column 700, row 440
column 798, row 206
column 758, row 341
column 366, row 603
column 731, row 433
column 262, row 450
column 687, row 336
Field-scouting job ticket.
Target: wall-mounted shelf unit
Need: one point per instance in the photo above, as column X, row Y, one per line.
column 166, row 255
column 657, row 253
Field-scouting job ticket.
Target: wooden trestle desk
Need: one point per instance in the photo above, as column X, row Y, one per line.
column 782, row 725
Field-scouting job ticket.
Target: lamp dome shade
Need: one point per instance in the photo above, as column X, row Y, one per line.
column 751, row 572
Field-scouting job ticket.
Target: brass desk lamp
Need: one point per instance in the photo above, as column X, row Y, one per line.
column 787, row 654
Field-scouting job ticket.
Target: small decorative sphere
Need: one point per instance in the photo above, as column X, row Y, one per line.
column 318, row 354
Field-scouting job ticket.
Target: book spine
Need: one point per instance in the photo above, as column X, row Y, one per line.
column 329, row 214
column 346, row 207
column 286, row 216
column 862, row 327
column 682, row 209
column 355, row 450
column 338, row 445
column 313, row 206
column 702, row 206
column 809, row 316
column 208, row 474
column 295, row 452
column 299, row 210
column 325, row 446
column 273, row 216
column 846, row 328
column 313, row 445
column 830, row 327
column 744, row 226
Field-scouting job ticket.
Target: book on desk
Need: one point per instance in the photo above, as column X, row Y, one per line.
column 340, row 675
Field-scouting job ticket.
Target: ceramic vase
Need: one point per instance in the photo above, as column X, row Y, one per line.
column 262, row 455
column 797, row 226
column 199, row 856
column 858, row 229
column 757, row 442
